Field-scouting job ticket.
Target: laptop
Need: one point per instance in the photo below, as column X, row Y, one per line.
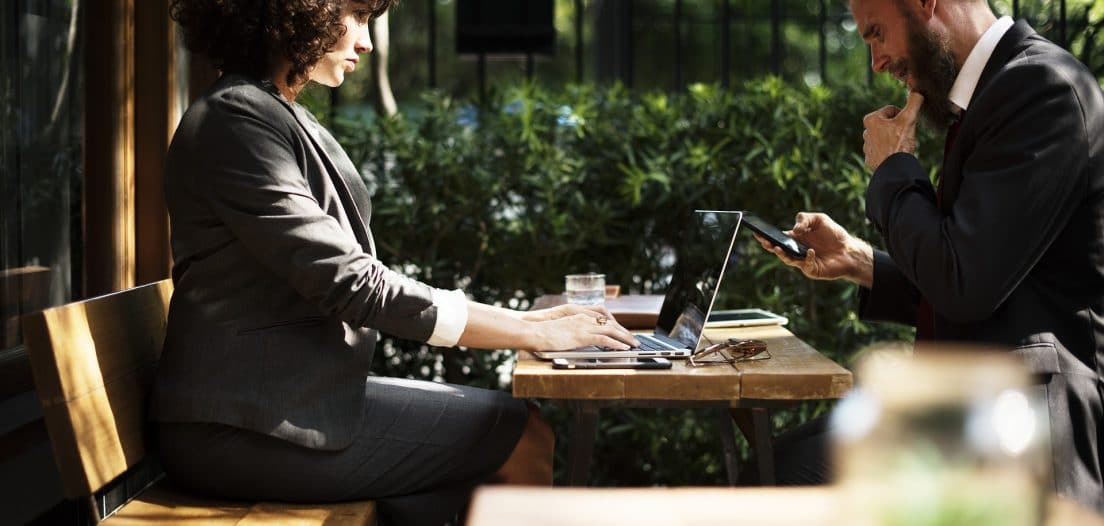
column 700, row 262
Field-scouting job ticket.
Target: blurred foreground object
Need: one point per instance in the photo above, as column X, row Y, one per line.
column 950, row 435
column 689, row 506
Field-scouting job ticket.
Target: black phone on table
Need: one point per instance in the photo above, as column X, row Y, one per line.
column 775, row 236
column 611, row 363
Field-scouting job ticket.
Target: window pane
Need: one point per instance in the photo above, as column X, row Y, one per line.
column 40, row 152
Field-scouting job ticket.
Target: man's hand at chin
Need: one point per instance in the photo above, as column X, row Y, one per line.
column 891, row 130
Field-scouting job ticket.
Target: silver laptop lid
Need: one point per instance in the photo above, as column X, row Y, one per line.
column 700, row 262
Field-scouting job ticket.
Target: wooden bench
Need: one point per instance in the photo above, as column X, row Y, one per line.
column 93, row 363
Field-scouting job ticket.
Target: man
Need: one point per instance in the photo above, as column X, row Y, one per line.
column 1008, row 248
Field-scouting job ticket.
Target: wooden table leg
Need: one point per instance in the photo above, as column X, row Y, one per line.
column 764, row 445
column 755, row 424
column 581, row 446
column 728, row 442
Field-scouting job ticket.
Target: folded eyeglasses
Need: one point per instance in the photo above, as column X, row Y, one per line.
column 730, row 351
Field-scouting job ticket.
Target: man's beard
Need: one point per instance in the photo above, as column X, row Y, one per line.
column 933, row 69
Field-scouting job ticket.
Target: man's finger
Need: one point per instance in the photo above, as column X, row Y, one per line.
column 889, row 112
column 810, row 263
column 912, row 107
column 762, row 242
column 805, row 221
column 869, row 118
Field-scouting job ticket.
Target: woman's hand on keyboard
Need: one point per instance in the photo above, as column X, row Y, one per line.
column 572, row 326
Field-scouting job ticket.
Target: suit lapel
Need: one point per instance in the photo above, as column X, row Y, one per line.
column 1010, row 45
column 350, row 192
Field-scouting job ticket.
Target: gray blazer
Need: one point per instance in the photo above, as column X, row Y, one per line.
column 278, row 294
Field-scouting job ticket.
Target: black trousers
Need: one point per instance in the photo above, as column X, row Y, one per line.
column 802, row 456
column 423, row 448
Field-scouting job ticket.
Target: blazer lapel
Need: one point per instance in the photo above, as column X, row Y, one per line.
column 1010, row 44
column 350, row 192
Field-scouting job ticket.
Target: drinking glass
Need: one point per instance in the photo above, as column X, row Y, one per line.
column 585, row 289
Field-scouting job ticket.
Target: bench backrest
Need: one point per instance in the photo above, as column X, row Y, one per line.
column 93, row 362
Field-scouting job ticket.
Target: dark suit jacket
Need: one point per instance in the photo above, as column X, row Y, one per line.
column 278, row 295
column 1015, row 253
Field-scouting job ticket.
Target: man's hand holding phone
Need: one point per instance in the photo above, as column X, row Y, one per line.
column 833, row 253
column 763, row 230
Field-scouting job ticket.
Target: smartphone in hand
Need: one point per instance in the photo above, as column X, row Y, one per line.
column 789, row 245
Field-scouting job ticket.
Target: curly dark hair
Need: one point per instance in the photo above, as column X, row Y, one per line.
column 249, row 36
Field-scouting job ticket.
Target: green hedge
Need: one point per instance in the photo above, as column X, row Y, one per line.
column 504, row 200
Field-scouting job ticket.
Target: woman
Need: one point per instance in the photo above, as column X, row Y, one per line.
column 263, row 389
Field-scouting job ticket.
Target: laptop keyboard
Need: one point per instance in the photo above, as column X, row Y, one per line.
column 653, row 343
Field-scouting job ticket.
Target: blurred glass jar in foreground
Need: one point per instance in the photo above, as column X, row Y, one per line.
column 948, row 436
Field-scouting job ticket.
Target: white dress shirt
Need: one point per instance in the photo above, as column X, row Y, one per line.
column 966, row 81
column 452, row 317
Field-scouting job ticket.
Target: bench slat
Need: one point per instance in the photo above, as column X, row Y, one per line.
column 161, row 505
column 93, row 363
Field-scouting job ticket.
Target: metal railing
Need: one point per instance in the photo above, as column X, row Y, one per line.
column 681, row 19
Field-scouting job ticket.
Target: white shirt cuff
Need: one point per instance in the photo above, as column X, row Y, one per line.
column 452, row 317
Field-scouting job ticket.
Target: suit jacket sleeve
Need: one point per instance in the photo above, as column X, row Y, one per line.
column 252, row 178
column 1018, row 188
column 892, row 297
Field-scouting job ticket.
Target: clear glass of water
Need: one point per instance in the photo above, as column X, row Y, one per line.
column 585, row 289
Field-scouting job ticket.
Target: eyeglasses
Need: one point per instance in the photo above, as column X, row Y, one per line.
column 731, row 351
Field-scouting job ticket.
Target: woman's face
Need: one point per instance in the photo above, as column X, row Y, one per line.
column 343, row 58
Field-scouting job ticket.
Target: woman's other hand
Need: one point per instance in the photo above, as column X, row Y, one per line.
column 567, row 309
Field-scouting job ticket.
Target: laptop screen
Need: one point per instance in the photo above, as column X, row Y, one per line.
column 700, row 260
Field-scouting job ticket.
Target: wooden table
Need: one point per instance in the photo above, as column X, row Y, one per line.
column 744, row 392
column 823, row 506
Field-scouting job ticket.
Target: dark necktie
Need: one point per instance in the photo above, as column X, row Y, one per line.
column 925, row 320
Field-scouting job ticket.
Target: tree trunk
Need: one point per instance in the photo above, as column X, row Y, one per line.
column 381, row 37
